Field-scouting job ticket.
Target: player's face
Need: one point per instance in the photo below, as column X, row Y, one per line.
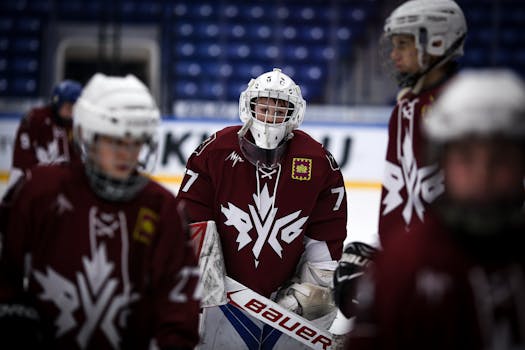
column 66, row 110
column 270, row 110
column 117, row 157
column 404, row 53
column 481, row 171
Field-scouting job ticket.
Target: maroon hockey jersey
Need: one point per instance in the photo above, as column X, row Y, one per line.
column 105, row 275
column 263, row 215
column 432, row 291
column 410, row 183
column 41, row 140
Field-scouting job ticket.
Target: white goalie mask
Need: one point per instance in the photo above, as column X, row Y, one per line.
column 438, row 27
column 117, row 107
column 271, row 107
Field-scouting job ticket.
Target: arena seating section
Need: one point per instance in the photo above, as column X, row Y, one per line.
column 211, row 48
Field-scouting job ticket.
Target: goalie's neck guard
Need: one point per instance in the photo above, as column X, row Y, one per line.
column 260, row 157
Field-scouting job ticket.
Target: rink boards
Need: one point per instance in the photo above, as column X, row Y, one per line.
column 358, row 148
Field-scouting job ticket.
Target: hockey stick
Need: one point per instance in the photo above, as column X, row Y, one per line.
column 221, row 289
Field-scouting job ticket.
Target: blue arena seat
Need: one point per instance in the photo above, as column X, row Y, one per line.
column 210, row 89
column 25, row 65
column 184, row 29
column 28, row 25
column 26, row 44
column 234, row 89
column 207, row 30
column 3, row 65
column 4, row 87
column 184, row 49
column 230, row 11
column 216, row 70
column 185, row 89
column 24, row 86
column 187, row 69
column 296, row 52
column 6, row 24
column 260, row 32
column 236, row 31
column 4, row 44
column 238, row 51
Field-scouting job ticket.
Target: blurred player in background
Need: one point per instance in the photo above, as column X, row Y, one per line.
column 279, row 202
column 44, row 135
column 94, row 254
column 458, row 281
column 423, row 39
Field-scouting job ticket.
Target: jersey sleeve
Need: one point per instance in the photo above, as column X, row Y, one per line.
column 16, row 221
column 175, row 275
column 329, row 216
column 197, row 191
column 409, row 304
column 24, row 154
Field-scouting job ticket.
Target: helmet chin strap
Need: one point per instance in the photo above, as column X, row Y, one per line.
column 416, row 80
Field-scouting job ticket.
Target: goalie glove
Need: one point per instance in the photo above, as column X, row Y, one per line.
column 308, row 294
column 308, row 300
column 356, row 257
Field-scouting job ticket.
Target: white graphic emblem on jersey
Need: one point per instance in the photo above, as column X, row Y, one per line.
column 262, row 216
column 52, row 153
column 234, row 157
column 421, row 184
column 94, row 288
column 63, row 204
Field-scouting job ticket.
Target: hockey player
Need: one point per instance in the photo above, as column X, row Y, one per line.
column 423, row 38
column 458, row 281
column 279, row 203
column 44, row 135
column 94, row 248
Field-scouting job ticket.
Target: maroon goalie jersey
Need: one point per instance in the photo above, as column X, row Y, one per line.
column 410, row 183
column 40, row 140
column 432, row 291
column 104, row 275
column 262, row 215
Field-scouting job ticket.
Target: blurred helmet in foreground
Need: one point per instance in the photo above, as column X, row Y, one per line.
column 480, row 114
column 479, row 103
column 117, row 107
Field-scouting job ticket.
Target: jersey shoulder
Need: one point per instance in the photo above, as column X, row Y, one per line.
column 304, row 145
column 155, row 192
column 222, row 140
column 42, row 180
column 39, row 116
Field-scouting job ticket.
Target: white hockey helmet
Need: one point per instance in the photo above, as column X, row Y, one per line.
column 439, row 29
column 119, row 107
column 116, row 106
column 437, row 26
column 274, row 85
column 481, row 103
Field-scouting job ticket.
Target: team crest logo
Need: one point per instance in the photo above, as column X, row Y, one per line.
column 301, row 169
column 145, row 226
